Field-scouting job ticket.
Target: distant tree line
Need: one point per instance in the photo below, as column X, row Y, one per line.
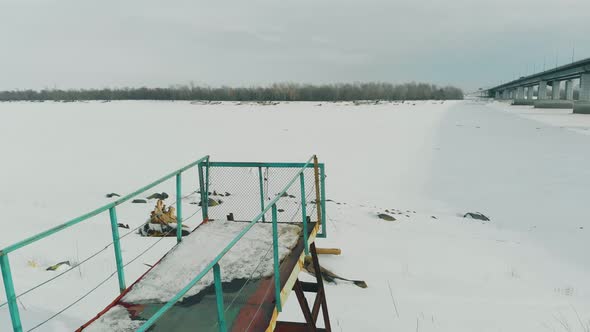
column 275, row 92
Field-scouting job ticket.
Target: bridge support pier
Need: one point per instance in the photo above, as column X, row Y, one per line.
column 569, row 90
column 520, row 97
column 497, row 95
column 520, row 92
column 554, row 102
column 556, row 89
column 582, row 106
column 542, row 90
column 530, row 92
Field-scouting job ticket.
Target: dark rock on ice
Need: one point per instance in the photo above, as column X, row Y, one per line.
column 161, row 195
column 476, row 215
column 386, row 217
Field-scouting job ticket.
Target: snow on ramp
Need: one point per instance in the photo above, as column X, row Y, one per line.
column 249, row 259
column 185, row 261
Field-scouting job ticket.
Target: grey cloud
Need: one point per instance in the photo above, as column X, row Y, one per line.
column 470, row 43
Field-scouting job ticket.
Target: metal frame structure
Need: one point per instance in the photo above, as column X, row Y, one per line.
column 311, row 315
column 203, row 165
column 271, row 206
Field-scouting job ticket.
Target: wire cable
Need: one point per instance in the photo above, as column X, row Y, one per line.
column 91, row 256
column 73, row 303
column 105, row 280
column 71, row 268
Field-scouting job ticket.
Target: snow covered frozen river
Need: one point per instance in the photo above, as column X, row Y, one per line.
column 431, row 270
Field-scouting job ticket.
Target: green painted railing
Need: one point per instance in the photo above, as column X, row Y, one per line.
column 111, row 207
column 271, row 206
column 203, row 166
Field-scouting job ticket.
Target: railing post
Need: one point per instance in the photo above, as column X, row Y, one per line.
column 117, row 246
column 219, row 296
column 318, row 196
column 204, row 200
column 207, row 181
column 261, row 192
column 10, row 294
column 178, row 207
column 323, row 200
column 304, row 212
column 275, row 245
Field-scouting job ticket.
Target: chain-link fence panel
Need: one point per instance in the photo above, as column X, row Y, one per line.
column 241, row 193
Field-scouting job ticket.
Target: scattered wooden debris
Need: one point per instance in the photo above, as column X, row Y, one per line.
column 212, row 202
column 162, row 222
column 57, row 266
column 162, row 215
column 328, row 275
column 328, row 251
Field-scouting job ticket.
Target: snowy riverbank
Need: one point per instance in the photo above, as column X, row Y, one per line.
column 525, row 270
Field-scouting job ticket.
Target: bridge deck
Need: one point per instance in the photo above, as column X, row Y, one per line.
column 248, row 286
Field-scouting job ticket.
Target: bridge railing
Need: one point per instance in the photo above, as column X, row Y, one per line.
column 213, row 176
column 269, row 206
column 7, row 277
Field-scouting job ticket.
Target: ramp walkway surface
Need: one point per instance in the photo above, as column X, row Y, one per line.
column 248, row 286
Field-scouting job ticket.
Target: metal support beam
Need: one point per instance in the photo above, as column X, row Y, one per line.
column 310, row 315
column 276, row 263
column 117, row 247
column 304, row 212
column 261, row 189
column 219, row 298
column 10, row 294
column 324, row 232
column 204, row 195
column 178, row 207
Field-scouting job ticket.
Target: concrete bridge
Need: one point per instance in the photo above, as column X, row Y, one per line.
column 533, row 89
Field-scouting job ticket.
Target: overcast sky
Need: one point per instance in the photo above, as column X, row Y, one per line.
column 117, row 43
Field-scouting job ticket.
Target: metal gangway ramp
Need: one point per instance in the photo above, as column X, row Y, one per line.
column 235, row 270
